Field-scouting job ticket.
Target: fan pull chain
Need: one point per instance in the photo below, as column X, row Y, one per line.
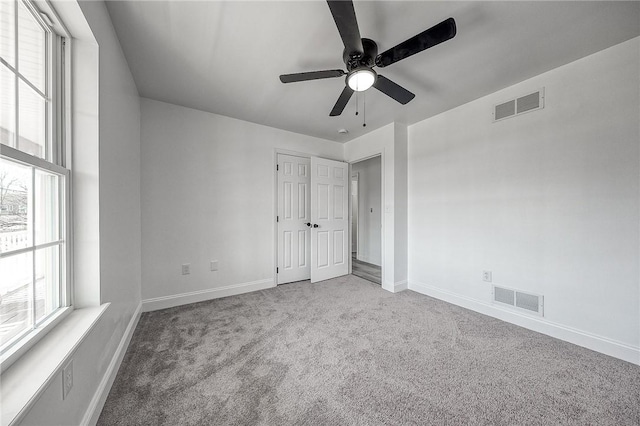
column 364, row 109
column 356, row 103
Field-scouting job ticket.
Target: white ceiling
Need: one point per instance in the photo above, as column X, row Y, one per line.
column 225, row 57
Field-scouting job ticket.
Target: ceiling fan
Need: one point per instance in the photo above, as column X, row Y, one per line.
column 360, row 55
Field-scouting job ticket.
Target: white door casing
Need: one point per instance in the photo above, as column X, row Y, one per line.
column 294, row 243
column 330, row 249
column 354, row 212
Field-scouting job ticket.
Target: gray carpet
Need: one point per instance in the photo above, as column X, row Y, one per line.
column 346, row 352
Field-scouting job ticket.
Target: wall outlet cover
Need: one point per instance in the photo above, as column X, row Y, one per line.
column 214, row 265
column 486, row 276
column 67, row 379
column 186, row 269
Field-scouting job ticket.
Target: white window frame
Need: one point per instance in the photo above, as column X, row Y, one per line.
column 58, row 162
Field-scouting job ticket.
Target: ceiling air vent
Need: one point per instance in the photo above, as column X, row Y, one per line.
column 531, row 102
column 532, row 303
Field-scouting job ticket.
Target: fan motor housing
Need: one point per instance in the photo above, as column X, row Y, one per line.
column 367, row 59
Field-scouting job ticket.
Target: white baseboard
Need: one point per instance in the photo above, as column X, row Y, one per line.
column 164, row 302
column 400, row 286
column 581, row 338
column 395, row 287
column 100, row 397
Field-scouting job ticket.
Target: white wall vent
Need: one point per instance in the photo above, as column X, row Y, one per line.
column 505, row 110
column 531, row 102
column 532, row 303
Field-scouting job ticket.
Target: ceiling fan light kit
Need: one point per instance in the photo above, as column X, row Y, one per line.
column 361, row 79
column 360, row 55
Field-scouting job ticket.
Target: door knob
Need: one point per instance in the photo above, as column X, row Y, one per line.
column 315, row 225
column 308, row 224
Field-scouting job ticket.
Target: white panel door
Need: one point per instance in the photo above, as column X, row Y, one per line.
column 330, row 219
column 294, row 219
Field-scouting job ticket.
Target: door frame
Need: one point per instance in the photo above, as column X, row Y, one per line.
column 383, row 202
column 274, row 222
column 353, row 175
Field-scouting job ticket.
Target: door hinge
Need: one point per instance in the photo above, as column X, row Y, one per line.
column 277, row 218
column 277, row 167
column 277, row 270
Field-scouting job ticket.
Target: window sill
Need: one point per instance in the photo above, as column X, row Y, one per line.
column 23, row 382
column 32, row 338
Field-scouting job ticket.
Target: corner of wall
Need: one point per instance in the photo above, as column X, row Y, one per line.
column 401, row 144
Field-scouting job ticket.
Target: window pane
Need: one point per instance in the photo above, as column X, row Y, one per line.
column 32, row 130
column 16, row 295
column 31, row 48
column 47, row 207
column 7, row 32
column 47, row 281
column 15, row 206
column 7, row 106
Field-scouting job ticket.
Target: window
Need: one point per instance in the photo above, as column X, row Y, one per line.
column 34, row 182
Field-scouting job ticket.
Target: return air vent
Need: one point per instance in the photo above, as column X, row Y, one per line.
column 519, row 300
column 531, row 102
column 505, row 110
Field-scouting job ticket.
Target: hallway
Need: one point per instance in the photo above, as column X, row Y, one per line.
column 366, row 270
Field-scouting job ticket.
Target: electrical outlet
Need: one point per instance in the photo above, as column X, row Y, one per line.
column 486, row 276
column 186, row 269
column 214, row 265
column 67, row 379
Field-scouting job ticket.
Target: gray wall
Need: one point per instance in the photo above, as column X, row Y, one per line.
column 208, row 193
column 548, row 201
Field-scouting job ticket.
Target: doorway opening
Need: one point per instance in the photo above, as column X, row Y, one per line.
column 366, row 219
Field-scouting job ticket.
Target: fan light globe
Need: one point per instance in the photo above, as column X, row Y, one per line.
column 361, row 80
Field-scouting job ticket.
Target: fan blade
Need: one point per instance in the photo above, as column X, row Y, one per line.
column 393, row 90
column 342, row 102
column 313, row 75
column 435, row 35
column 345, row 17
